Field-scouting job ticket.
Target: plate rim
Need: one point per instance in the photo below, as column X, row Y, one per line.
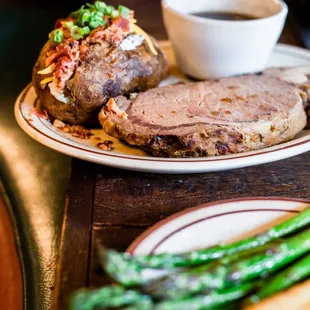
column 102, row 157
column 141, row 238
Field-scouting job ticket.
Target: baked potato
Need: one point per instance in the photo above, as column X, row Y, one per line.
column 85, row 63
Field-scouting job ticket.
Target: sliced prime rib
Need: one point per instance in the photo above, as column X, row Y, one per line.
column 219, row 117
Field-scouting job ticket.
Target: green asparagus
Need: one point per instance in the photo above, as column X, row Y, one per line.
column 198, row 257
column 288, row 277
column 143, row 305
column 129, row 274
column 247, row 268
column 107, row 297
column 124, row 271
column 207, row 301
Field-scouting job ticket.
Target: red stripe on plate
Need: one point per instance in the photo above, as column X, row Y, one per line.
column 155, row 227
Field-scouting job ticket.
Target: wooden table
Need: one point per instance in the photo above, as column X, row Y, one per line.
column 115, row 206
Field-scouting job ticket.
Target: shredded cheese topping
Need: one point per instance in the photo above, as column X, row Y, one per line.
column 138, row 30
column 48, row 69
column 46, row 80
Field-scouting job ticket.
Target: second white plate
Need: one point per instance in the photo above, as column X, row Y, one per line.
column 214, row 223
column 217, row 222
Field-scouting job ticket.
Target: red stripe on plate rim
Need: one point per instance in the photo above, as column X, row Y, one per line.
column 172, row 217
column 153, row 159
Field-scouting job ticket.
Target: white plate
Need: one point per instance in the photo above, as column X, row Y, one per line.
column 135, row 159
column 209, row 224
column 213, row 223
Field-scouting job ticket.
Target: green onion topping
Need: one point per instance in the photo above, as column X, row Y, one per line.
column 68, row 25
column 89, row 17
column 100, row 6
column 56, row 36
column 124, row 11
column 78, row 33
column 109, row 9
column 115, row 14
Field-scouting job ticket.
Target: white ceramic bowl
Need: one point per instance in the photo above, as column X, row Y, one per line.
column 209, row 48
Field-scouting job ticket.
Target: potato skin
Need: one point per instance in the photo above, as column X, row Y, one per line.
column 106, row 72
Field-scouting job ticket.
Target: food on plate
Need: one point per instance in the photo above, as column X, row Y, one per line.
column 234, row 279
column 241, row 268
column 109, row 297
column 75, row 130
column 215, row 117
column 296, row 298
column 96, row 53
column 298, row 76
column 297, row 272
column 203, row 256
column 212, row 300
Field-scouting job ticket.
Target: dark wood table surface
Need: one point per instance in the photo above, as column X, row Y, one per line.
column 115, row 206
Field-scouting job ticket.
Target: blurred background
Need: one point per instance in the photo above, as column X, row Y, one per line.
column 24, row 25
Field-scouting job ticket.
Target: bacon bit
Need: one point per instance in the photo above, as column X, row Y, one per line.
column 97, row 138
column 58, row 23
column 80, row 132
column 67, row 56
column 113, row 34
column 97, row 35
column 122, row 23
column 67, row 48
column 112, row 107
column 65, row 70
column 76, row 130
column 41, row 114
column 106, row 145
column 84, row 49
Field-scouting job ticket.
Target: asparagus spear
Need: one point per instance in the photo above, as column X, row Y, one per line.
column 288, row 277
column 143, row 305
column 107, row 297
column 211, row 300
column 206, row 255
column 118, row 267
column 129, row 274
column 247, row 268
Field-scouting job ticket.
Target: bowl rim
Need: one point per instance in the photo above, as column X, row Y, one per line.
column 231, row 23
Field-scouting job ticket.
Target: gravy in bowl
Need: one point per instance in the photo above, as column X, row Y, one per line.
column 224, row 15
